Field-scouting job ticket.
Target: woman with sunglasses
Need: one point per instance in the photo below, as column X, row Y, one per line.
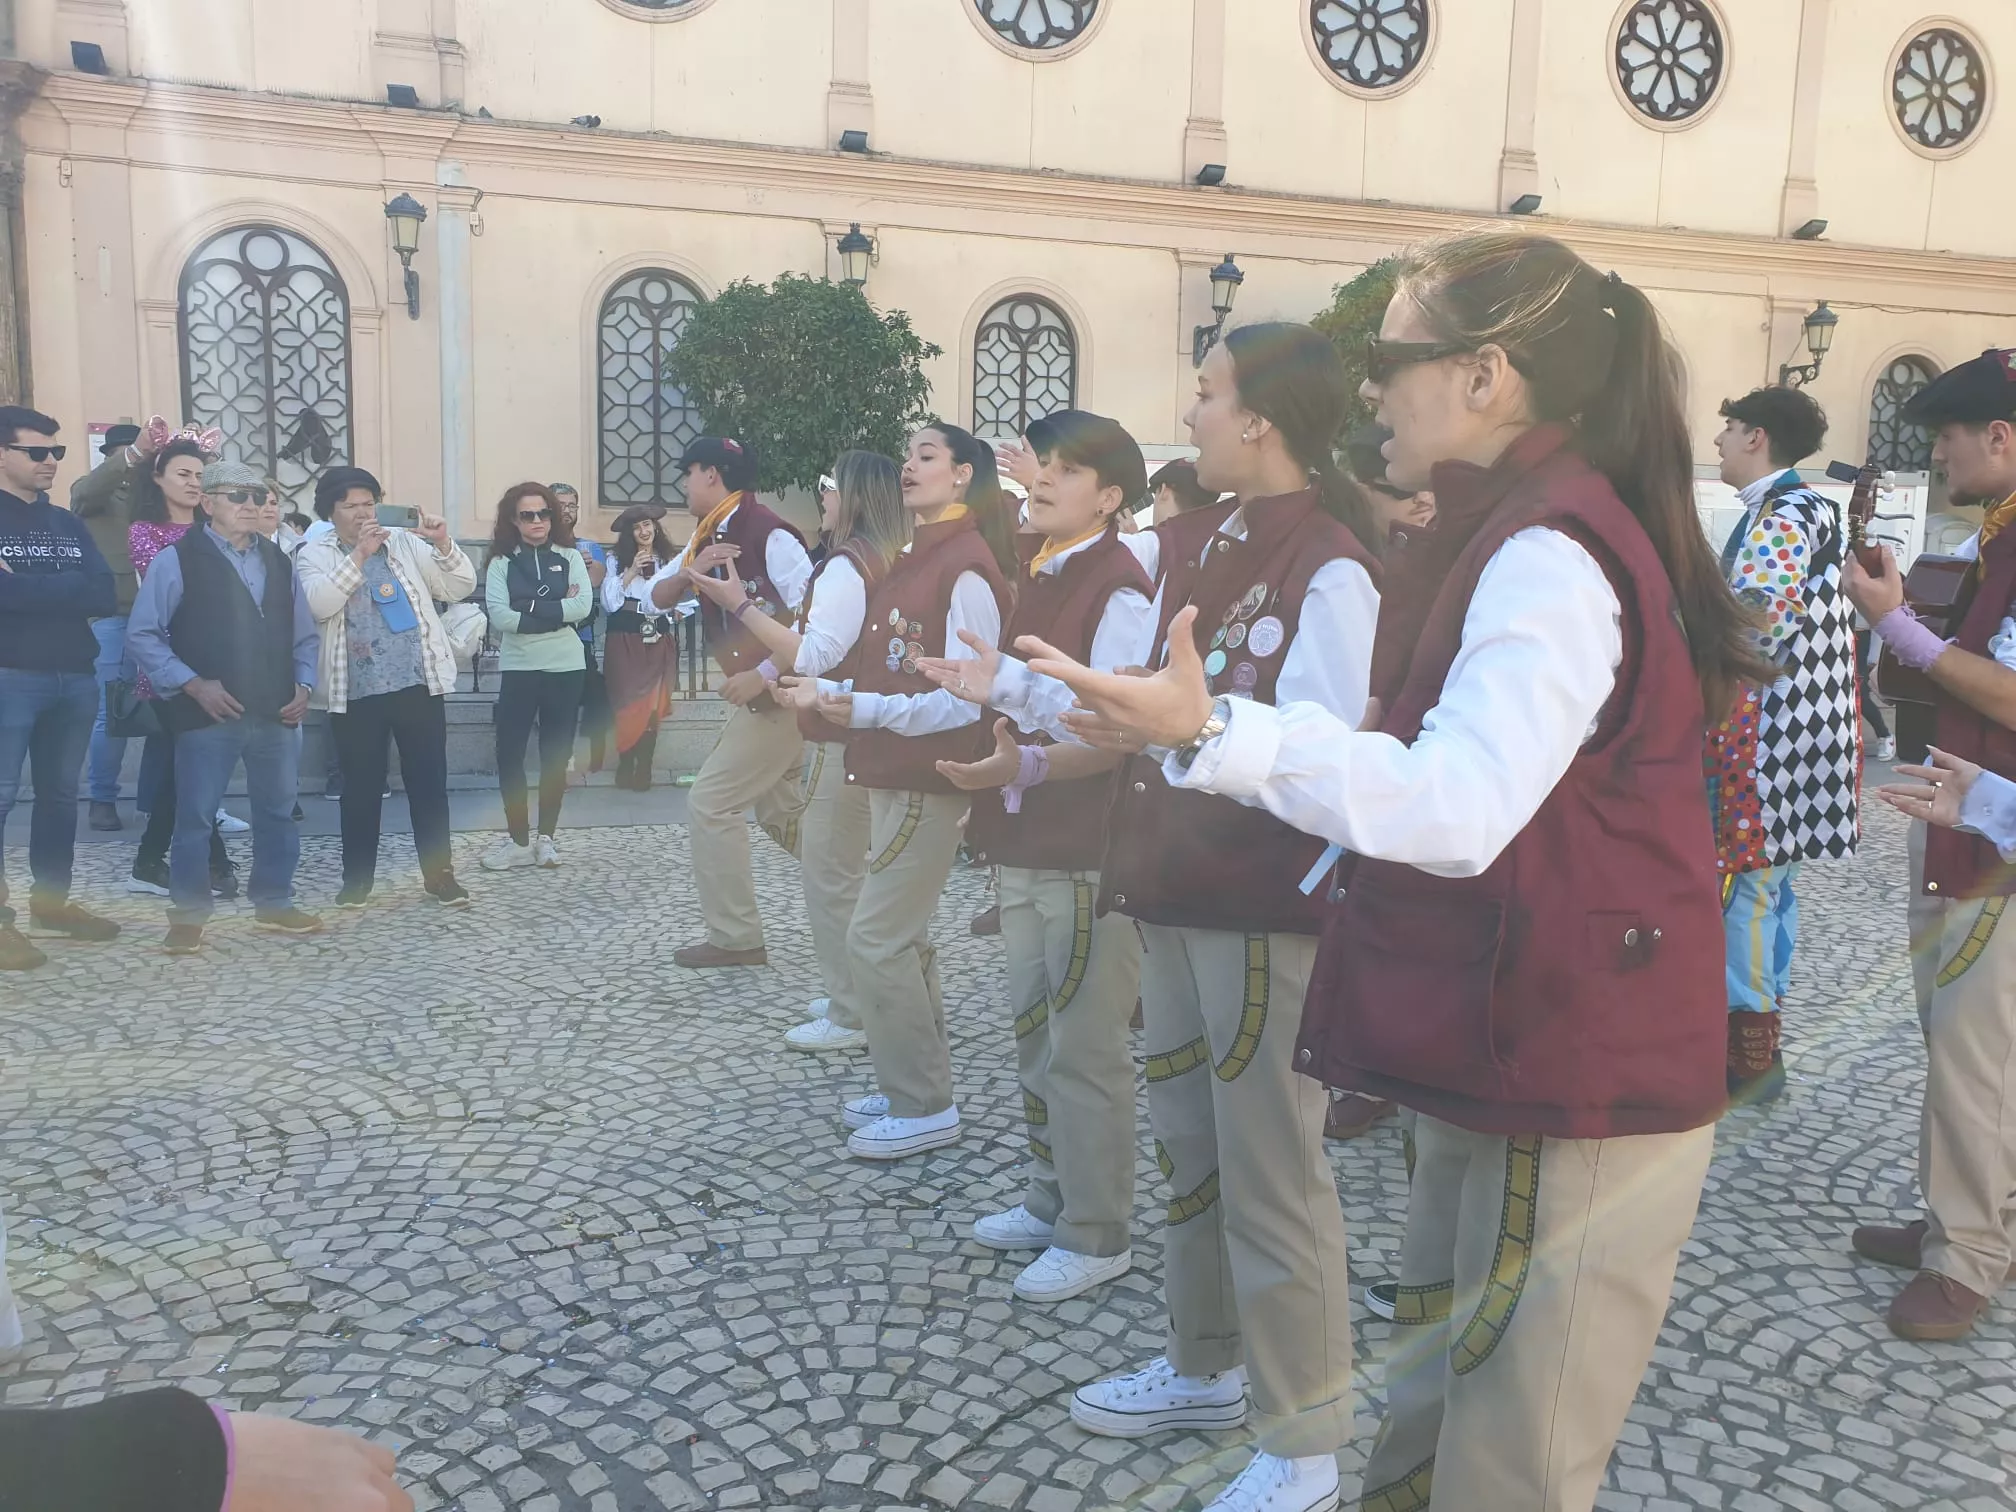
column 1526, row 941
column 641, row 655
column 536, row 591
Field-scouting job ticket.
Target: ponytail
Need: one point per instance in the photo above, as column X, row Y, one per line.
column 994, row 508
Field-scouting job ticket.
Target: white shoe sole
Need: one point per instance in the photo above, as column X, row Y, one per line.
column 856, row 1040
column 896, row 1149
column 514, row 864
column 1202, row 1416
column 1379, row 1307
column 1009, row 1246
column 147, row 889
column 1119, row 1266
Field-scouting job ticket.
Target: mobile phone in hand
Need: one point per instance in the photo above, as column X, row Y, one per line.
column 398, row 516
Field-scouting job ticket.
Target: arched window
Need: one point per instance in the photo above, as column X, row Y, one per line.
column 643, row 419
column 264, row 322
column 1894, row 444
column 1025, row 366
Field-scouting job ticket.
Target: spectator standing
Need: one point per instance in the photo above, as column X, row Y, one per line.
column 103, row 498
column 643, row 655
column 386, row 670
column 596, row 714
column 536, row 592
column 53, row 583
column 222, row 626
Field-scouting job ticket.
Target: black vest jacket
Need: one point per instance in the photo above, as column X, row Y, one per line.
column 220, row 633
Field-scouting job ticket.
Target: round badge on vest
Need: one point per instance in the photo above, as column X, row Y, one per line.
column 1246, row 676
column 1218, row 638
column 1266, row 636
column 1250, row 605
column 1214, row 664
column 1235, row 637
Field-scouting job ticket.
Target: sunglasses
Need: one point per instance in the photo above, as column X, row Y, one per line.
column 827, row 485
column 529, row 515
column 242, row 495
column 1385, row 358
column 40, row 453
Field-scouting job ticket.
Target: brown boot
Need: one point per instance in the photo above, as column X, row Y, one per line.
column 1352, row 1113
column 1903, row 1247
column 1935, row 1308
column 986, row 923
column 704, row 954
column 1756, row 1072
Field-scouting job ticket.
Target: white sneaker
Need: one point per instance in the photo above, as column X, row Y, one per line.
column 231, row 824
column 819, row 1008
column 892, row 1138
column 1156, row 1399
column 1058, row 1275
column 863, row 1111
column 1016, row 1229
column 1273, row 1484
column 822, row 1034
column 508, row 855
column 548, row 854
column 1382, row 1299
column 1886, row 748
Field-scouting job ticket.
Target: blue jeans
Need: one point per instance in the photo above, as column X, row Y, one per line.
column 45, row 723
column 108, row 753
column 204, row 761
column 1760, row 925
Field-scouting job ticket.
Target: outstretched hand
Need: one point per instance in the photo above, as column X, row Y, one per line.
column 1939, row 789
column 971, row 678
column 1127, row 711
column 997, row 769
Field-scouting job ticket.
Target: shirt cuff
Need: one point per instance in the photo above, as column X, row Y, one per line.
column 1237, row 763
column 1013, row 683
column 172, row 678
column 1916, row 645
column 866, row 711
column 1989, row 810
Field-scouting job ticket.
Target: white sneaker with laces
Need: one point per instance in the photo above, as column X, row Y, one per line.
column 508, row 855
column 1016, row 1229
column 863, row 1111
column 1155, row 1399
column 822, row 1034
column 891, row 1138
column 547, row 853
column 1273, row 1484
column 819, row 1008
column 231, row 824
column 1058, row 1275
column 1886, row 748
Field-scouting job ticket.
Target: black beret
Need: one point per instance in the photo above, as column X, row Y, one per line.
column 1973, row 393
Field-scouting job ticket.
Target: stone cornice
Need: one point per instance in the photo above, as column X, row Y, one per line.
column 534, row 160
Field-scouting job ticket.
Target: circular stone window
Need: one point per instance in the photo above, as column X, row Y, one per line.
column 1669, row 58
column 1038, row 25
column 1939, row 89
column 1370, row 44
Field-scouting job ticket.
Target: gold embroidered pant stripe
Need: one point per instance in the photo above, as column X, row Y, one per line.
column 755, row 764
column 913, row 840
column 833, row 836
column 1081, row 972
column 1254, row 1255
column 1534, row 1277
column 1963, row 964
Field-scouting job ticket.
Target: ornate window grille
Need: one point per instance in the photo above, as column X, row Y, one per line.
column 643, row 419
column 1894, row 443
column 1940, row 88
column 1669, row 57
column 1038, row 24
column 1372, row 44
column 264, row 326
column 1025, row 366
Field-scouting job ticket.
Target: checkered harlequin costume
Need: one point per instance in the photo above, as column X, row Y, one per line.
column 1784, row 769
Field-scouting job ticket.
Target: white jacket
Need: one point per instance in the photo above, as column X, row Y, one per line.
column 329, row 577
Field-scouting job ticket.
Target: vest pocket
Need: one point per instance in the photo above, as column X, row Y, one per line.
column 1419, row 974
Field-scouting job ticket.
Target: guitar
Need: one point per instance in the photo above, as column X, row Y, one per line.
column 1938, row 588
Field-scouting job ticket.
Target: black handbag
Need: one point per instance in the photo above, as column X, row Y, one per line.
column 129, row 716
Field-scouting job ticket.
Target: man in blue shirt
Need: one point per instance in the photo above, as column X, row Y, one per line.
column 222, row 629
column 53, row 581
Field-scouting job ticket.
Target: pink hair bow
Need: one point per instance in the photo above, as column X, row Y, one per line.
column 210, row 441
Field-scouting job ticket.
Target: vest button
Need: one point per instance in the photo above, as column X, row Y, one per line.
column 1189, row 564
column 1931, row 887
column 1140, row 787
column 1120, row 900
column 1630, row 937
column 1336, row 895
column 1302, row 1057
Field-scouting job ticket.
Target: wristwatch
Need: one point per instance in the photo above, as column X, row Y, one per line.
column 1214, row 726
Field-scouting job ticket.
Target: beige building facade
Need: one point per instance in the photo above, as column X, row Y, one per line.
column 201, row 228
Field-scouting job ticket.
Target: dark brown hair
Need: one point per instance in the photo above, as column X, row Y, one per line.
column 504, row 537
column 1291, row 376
column 625, row 549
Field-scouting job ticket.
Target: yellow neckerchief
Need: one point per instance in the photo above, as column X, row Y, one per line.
column 1053, row 548
column 1994, row 520
column 952, row 512
column 704, row 531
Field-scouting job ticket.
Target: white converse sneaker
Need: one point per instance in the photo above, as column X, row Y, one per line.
column 892, row 1138
column 822, row 1034
column 1156, row 1399
column 1058, row 1275
column 1273, row 1484
column 548, row 854
column 1016, row 1229
column 508, row 855
column 863, row 1111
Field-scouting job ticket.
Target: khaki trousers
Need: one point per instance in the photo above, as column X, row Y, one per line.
column 833, row 841
column 1072, row 978
column 1254, row 1257
column 913, row 838
column 754, row 763
column 1533, row 1280
column 1963, row 963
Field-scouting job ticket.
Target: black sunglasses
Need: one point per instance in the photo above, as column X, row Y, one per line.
column 242, row 495
column 40, row 453
column 529, row 515
column 1385, row 358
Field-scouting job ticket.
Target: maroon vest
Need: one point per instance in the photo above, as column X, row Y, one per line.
column 811, row 724
column 733, row 648
column 906, row 622
column 1061, row 825
column 1966, row 866
column 1200, row 860
column 1574, row 988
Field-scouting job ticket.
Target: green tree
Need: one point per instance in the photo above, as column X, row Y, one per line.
column 1353, row 320
column 802, row 369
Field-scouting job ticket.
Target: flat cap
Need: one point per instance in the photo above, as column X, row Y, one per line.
column 222, row 475
column 1973, row 393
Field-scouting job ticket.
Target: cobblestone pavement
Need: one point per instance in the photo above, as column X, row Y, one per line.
column 573, row 1230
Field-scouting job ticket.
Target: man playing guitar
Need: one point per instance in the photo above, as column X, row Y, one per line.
column 1963, row 961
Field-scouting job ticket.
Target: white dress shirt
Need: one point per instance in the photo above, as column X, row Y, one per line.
column 1126, row 629
column 636, row 594
column 785, row 563
column 1542, row 641
column 839, row 609
column 972, row 608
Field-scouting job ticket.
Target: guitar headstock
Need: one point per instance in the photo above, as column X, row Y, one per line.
column 1868, row 480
